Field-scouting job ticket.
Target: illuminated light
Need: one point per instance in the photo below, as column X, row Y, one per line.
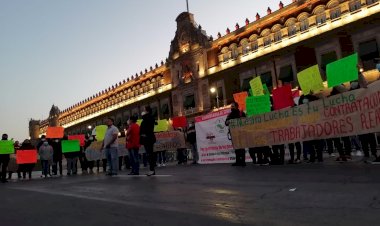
column 212, row 90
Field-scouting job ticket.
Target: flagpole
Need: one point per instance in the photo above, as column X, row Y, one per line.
column 187, row 5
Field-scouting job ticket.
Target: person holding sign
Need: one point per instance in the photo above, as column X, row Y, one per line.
column 4, row 161
column 46, row 156
column 133, row 144
column 110, row 146
column 27, row 167
column 147, row 138
column 234, row 114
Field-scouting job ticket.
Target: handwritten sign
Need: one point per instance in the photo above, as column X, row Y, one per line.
column 26, row 156
column 258, row 105
column 162, row 126
column 343, row 70
column 257, row 86
column 240, row 99
column 6, row 147
column 55, row 132
column 282, row 97
column 80, row 137
column 310, row 80
column 101, row 132
column 70, row 146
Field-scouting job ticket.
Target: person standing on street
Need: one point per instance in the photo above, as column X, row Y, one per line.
column 147, row 138
column 133, row 144
column 110, row 146
column 234, row 114
column 46, row 156
column 4, row 160
column 192, row 139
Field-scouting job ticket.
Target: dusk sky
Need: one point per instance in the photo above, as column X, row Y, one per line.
column 61, row 52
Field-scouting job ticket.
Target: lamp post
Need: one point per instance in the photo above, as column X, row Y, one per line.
column 214, row 90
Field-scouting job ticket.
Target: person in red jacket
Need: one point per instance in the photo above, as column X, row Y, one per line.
column 133, row 144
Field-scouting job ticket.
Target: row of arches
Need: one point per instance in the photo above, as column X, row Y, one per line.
column 116, row 98
column 319, row 15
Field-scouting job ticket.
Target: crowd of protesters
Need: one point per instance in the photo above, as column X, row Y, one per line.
column 312, row 151
column 51, row 157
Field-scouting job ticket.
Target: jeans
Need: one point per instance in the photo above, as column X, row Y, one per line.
column 162, row 157
column 72, row 165
column 112, row 159
column 45, row 167
column 194, row 152
column 55, row 166
column 134, row 157
column 240, row 156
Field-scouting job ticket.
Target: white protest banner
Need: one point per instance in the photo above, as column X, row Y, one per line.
column 212, row 139
column 169, row 141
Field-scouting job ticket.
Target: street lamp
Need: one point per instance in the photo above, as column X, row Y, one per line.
column 214, row 90
column 89, row 127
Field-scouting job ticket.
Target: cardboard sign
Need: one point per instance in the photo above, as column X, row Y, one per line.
column 310, row 80
column 283, row 97
column 55, row 132
column 6, row 147
column 258, row 105
column 162, row 126
column 70, row 146
column 240, row 99
column 101, row 132
column 80, row 137
column 257, row 86
column 26, row 156
column 179, row 122
column 343, row 70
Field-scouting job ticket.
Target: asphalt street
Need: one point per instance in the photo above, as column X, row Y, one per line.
column 305, row 194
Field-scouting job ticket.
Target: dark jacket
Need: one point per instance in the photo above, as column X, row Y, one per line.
column 57, row 148
column 308, row 97
column 147, row 130
column 191, row 135
column 235, row 113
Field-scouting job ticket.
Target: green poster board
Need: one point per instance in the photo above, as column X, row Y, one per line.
column 310, row 80
column 101, row 132
column 70, row 146
column 256, row 86
column 162, row 126
column 6, row 147
column 343, row 70
column 258, row 105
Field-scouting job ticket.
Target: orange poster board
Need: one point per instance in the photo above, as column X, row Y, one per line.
column 54, row 132
column 240, row 99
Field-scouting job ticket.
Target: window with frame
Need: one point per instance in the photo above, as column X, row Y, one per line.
column 245, row 86
column 369, row 2
column 277, row 36
column 304, row 24
column 267, row 40
column 368, row 51
column 286, row 74
column 266, row 78
column 355, row 5
column 245, row 47
column 255, row 45
column 234, row 52
column 189, row 102
column 335, row 13
column 292, row 30
column 321, row 18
